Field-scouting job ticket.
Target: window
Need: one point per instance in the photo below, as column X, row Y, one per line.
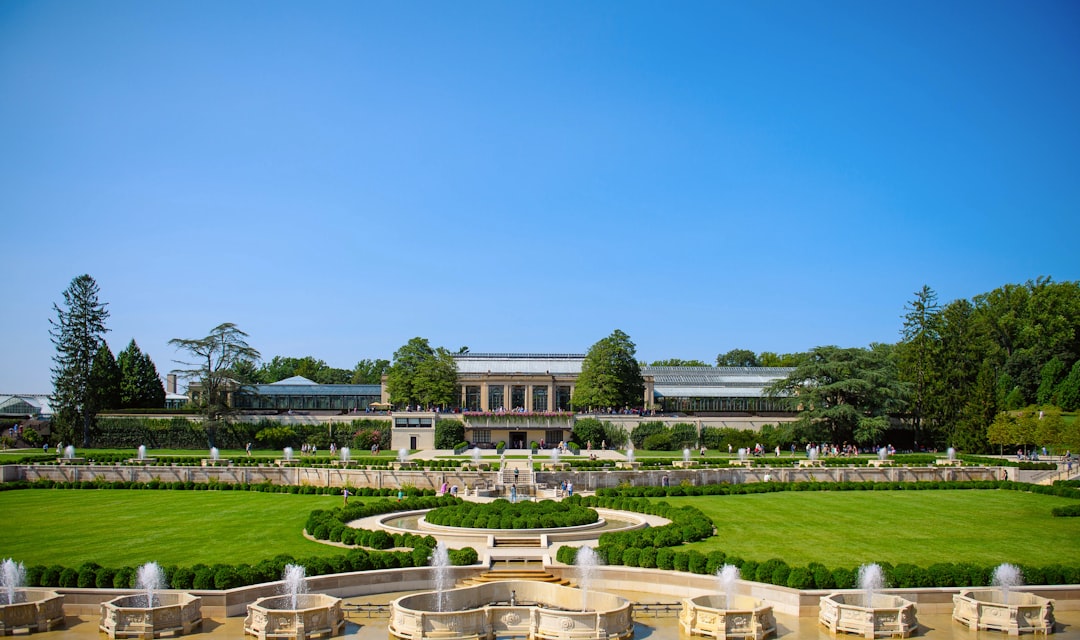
column 562, row 398
column 495, row 398
column 540, row 399
column 517, row 397
column 552, row 437
column 482, row 436
column 472, row 398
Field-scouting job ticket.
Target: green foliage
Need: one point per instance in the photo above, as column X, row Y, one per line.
column 448, row 433
column 677, row 362
column 105, row 378
column 78, row 332
column 589, row 430
column 276, row 437
column 738, row 358
column 140, row 384
column 370, row 371
column 610, row 375
column 502, row 514
column 421, row 375
column 644, row 430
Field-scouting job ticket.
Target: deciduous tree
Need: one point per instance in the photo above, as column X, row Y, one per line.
column 737, row 358
column 77, row 333
column 370, row 371
column 610, row 376
column 421, row 375
column 677, row 362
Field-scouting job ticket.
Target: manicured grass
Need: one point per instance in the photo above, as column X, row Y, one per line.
column 121, row 527
column 918, row 527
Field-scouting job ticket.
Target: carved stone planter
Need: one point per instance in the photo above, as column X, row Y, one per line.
column 712, row 616
column 34, row 610
column 885, row 616
column 316, row 616
column 986, row 609
column 173, row 614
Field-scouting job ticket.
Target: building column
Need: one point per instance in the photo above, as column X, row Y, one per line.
column 528, row 397
column 484, row 396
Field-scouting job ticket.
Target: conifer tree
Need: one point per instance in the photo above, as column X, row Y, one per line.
column 78, row 333
column 140, row 386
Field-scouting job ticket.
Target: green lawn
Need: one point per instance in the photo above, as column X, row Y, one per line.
column 118, row 527
column 919, row 527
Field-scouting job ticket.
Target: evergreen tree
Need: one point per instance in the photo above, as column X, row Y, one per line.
column 78, row 333
column 918, row 350
column 212, row 361
column 105, row 380
column 140, row 386
column 610, row 375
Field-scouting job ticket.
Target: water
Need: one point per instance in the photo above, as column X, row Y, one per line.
column 440, row 561
column 871, row 580
column 287, row 453
column 882, row 453
column 345, row 454
column 586, row 563
column 951, row 453
column 12, row 577
column 294, row 583
column 69, row 452
column 402, row 454
column 630, row 454
column 812, row 453
column 742, row 453
column 475, row 453
column 215, row 455
column 686, row 455
column 149, row 579
column 555, row 454
column 142, row 452
column 1007, row 576
column 727, row 576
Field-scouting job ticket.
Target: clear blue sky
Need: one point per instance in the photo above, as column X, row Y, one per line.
column 339, row 177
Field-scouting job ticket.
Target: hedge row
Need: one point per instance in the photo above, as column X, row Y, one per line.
column 226, row 576
column 502, row 514
column 1057, row 489
column 122, row 458
column 264, row 487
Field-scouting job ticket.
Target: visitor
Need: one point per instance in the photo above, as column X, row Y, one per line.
column 345, row 495
column 702, row 451
column 444, row 488
column 570, row 489
column 603, row 445
column 400, row 495
column 588, row 445
column 729, row 448
column 453, row 491
column 513, row 493
column 44, row 447
column 516, row 472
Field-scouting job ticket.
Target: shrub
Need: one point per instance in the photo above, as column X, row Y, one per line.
column 68, row 578
column 665, row 558
column 87, row 575
column 204, row 578
column 800, row 578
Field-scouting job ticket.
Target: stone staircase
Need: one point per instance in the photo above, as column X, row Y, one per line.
column 497, row 575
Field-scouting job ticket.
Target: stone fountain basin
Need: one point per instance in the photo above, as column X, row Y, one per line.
column 986, row 609
column 33, row 610
column 129, row 617
column 884, row 616
column 540, row 610
column 316, row 615
column 711, row 616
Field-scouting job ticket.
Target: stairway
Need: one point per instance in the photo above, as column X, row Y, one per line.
column 497, row 575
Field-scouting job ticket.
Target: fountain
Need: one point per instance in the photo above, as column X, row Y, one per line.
column 586, row 562
column 729, row 615
column 869, row 614
column 286, row 459
column 629, row 463
column 295, row 613
column 743, row 461
column 69, row 456
column 140, row 457
column 26, row 609
column 344, row 457
column 1003, row 609
column 949, row 459
column 440, row 562
column 150, row 614
column 882, row 458
column 403, row 461
column 554, row 464
column 686, row 461
column 215, row 459
column 811, row 458
column 511, row 608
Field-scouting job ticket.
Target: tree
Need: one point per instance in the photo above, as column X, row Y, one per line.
column 449, row 433
column 676, row 362
column 422, row 376
column 918, row 349
column 844, row 393
column 370, row 371
column 610, row 376
column 211, row 360
column 105, row 377
column 140, row 384
column 771, row 359
column 737, row 358
column 78, row 333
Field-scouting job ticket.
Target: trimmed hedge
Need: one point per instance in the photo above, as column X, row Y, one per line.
column 502, row 514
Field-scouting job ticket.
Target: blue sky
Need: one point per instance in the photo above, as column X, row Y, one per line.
column 339, row 177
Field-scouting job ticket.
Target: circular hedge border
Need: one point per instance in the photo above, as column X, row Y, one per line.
column 502, row 514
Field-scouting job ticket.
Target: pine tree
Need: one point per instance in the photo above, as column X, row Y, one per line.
column 78, row 333
column 140, row 386
column 105, row 380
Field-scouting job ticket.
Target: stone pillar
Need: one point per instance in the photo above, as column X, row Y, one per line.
column 484, row 396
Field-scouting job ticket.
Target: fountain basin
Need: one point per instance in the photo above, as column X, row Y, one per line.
column 71, row 460
column 881, row 463
column 211, row 462
column 684, row 464
column 811, row 463
column 711, row 616
column 142, row 461
column 174, row 614
column 885, row 616
column 407, row 464
column 33, row 610
column 986, row 609
column 741, row 463
column 316, row 615
column 945, row 462
column 485, row 611
column 554, row 466
column 624, row 464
